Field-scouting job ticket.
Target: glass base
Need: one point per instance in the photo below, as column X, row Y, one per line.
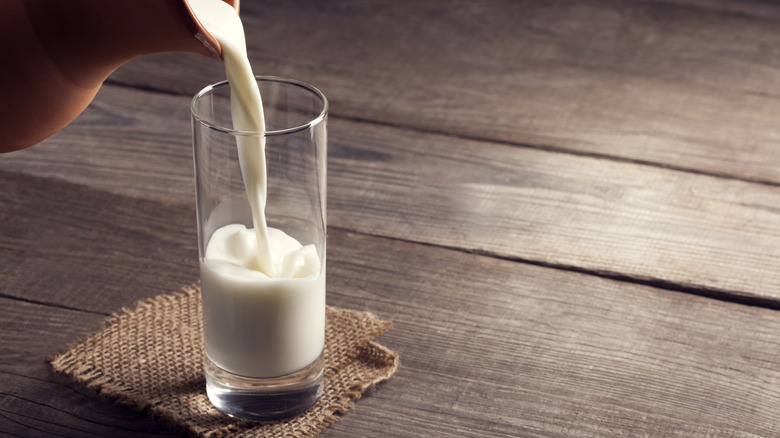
column 264, row 399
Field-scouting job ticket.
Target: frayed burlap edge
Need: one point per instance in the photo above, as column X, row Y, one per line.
column 151, row 358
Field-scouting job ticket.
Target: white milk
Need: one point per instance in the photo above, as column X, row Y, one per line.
column 263, row 292
column 255, row 325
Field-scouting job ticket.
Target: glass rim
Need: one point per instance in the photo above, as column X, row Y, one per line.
column 313, row 122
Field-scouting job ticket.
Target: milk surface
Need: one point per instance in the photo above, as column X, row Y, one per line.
column 263, row 292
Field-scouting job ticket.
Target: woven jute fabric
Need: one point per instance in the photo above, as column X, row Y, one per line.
column 151, row 358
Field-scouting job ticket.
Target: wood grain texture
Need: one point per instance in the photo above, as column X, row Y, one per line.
column 35, row 402
column 488, row 347
column 626, row 220
column 687, row 86
column 612, row 218
column 495, row 348
column 68, row 245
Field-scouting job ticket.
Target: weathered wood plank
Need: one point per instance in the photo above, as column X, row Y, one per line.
column 508, row 349
column 35, row 402
column 621, row 219
column 488, row 348
column 677, row 86
column 72, row 246
column 758, row 9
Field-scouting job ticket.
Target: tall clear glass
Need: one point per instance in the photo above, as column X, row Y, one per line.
column 264, row 333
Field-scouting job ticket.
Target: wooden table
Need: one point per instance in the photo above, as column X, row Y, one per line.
column 570, row 209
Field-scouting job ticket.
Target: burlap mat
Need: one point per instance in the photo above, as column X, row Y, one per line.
column 151, row 358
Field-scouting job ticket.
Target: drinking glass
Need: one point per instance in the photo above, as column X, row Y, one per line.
column 264, row 337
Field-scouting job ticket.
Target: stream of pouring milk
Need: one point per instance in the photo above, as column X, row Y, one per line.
column 246, row 108
column 264, row 297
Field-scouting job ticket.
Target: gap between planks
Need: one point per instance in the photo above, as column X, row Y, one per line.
column 484, row 139
column 658, row 283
